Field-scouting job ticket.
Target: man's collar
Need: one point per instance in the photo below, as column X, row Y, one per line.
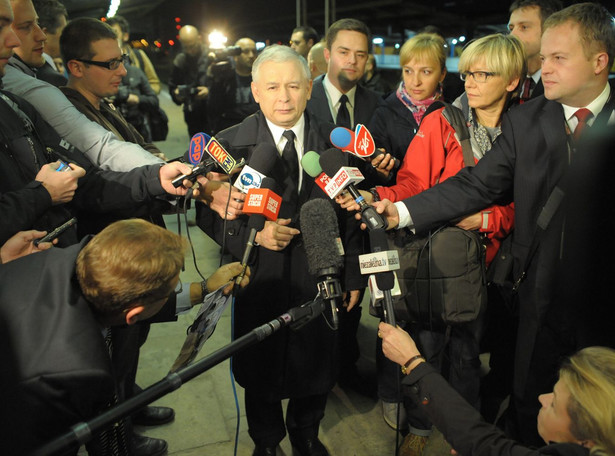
column 277, row 131
column 334, row 94
column 595, row 106
column 536, row 76
column 16, row 62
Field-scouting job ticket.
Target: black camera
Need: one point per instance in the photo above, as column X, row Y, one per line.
column 225, row 53
column 186, row 91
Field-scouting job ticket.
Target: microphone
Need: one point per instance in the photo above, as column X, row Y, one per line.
column 196, row 156
column 344, row 177
column 310, row 164
column 383, row 262
column 359, row 142
column 263, row 204
column 322, row 246
column 217, row 150
column 261, row 162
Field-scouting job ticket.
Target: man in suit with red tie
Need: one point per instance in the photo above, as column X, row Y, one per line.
column 526, row 163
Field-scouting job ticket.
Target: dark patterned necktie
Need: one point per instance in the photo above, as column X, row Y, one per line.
column 289, row 155
column 343, row 116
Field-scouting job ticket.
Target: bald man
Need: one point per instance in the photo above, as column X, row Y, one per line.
column 316, row 59
column 230, row 98
column 188, row 82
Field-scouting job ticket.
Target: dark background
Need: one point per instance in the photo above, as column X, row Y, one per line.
column 272, row 21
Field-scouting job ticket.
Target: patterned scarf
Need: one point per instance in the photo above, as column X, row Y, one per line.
column 417, row 108
column 481, row 135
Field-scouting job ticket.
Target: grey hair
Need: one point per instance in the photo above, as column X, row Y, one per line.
column 280, row 54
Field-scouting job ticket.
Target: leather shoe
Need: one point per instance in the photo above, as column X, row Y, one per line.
column 153, row 416
column 261, row 450
column 309, row 447
column 147, row 446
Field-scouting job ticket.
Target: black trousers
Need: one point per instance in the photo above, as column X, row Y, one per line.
column 266, row 418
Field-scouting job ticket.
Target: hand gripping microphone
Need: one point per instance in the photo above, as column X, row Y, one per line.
column 262, row 204
column 320, row 238
column 332, row 162
column 359, row 142
column 197, row 156
column 259, row 166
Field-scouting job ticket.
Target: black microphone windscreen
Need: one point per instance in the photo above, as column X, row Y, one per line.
column 271, row 184
column 263, row 157
column 331, row 160
column 224, row 143
column 257, row 222
column 320, row 232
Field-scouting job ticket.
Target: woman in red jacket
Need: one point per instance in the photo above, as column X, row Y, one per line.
column 492, row 68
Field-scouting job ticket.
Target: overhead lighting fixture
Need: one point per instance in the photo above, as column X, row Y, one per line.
column 378, row 41
column 113, row 6
column 462, row 39
column 217, row 40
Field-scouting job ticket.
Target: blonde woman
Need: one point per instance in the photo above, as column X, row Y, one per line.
column 576, row 419
column 394, row 124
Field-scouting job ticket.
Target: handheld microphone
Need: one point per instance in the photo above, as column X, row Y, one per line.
column 310, row 164
column 385, row 279
column 332, row 163
column 263, row 204
column 260, row 164
column 359, row 142
column 320, row 238
column 197, row 157
column 217, row 150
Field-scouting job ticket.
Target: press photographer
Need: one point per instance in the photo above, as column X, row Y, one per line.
column 188, row 82
column 230, row 96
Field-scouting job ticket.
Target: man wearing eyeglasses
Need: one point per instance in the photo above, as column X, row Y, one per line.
column 99, row 145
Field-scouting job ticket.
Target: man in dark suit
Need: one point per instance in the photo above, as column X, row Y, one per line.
column 526, row 163
column 299, row 365
column 337, row 97
column 346, row 51
column 526, row 20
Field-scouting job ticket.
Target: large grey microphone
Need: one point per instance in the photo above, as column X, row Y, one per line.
column 320, row 238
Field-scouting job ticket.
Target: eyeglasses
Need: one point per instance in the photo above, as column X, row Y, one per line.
column 478, row 76
column 112, row 64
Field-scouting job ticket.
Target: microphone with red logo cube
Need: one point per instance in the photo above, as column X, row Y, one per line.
column 261, row 204
column 332, row 162
column 359, row 142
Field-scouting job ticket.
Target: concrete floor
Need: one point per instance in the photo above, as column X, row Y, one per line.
column 206, row 415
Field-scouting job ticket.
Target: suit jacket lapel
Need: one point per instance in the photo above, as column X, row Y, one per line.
column 319, row 104
column 552, row 123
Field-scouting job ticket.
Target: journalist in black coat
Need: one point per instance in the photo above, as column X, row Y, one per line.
column 301, row 364
column 525, row 164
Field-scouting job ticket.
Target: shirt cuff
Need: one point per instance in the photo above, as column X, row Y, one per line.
column 405, row 220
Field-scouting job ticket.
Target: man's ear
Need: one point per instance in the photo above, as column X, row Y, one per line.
column 255, row 91
column 74, row 68
column 132, row 315
column 327, row 54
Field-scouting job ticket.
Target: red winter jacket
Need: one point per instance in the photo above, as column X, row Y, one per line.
column 433, row 156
